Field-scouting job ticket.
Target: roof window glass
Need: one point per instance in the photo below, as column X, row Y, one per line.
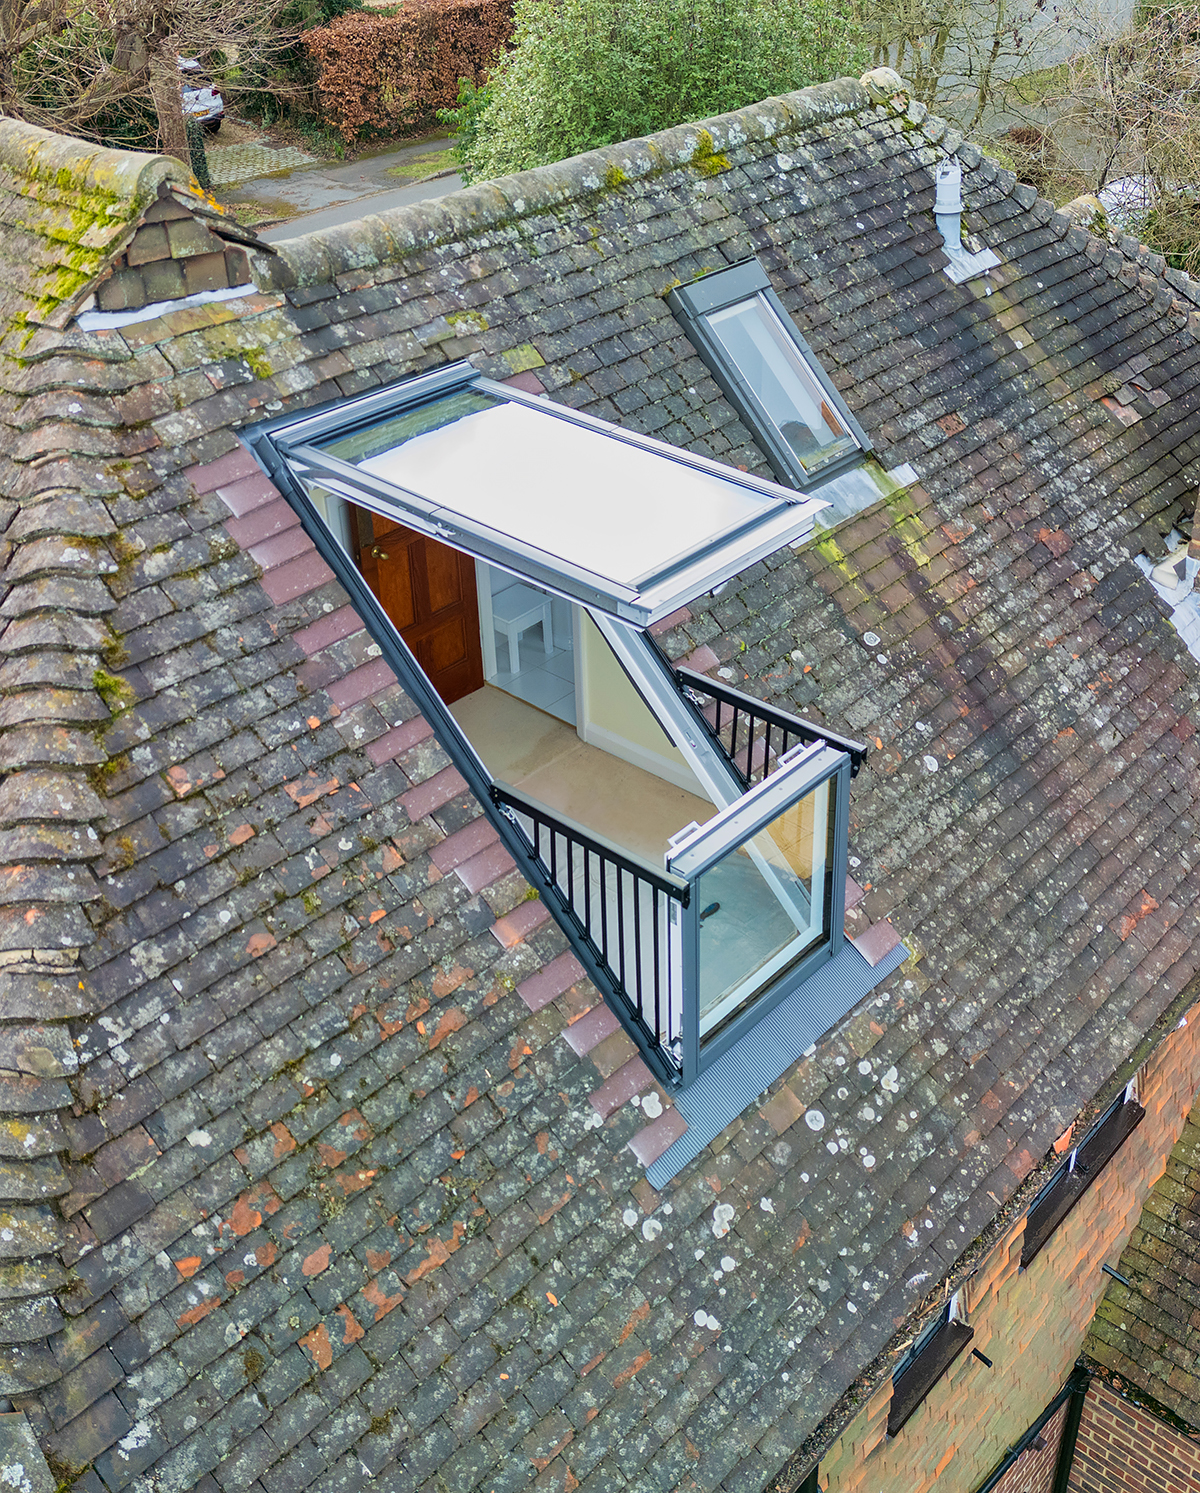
column 770, row 375
column 791, row 398
column 602, row 516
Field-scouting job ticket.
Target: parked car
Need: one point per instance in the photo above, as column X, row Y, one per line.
column 201, row 101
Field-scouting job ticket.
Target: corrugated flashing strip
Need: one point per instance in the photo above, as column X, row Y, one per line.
column 752, row 1065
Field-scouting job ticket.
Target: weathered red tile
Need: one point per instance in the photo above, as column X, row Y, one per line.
column 520, row 922
column 433, row 793
column 399, row 739
column 592, row 1028
column 878, row 941
column 620, row 1087
column 649, row 1144
column 361, row 684
column 297, row 577
column 559, row 975
column 482, row 869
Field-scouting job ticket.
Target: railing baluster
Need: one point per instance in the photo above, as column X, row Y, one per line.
column 623, row 882
column 621, row 925
column 701, row 693
column 656, row 965
column 637, row 941
column 604, row 908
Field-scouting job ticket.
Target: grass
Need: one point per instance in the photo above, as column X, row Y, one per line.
column 260, row 213
column 416, row 168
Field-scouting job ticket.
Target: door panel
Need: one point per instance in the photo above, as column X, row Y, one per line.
column 443, row 566
column 428, row 590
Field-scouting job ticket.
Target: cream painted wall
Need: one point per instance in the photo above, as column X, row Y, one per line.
column 613, row 716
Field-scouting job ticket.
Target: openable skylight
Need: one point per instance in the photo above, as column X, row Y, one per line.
column 600, row 515
column 769, row 374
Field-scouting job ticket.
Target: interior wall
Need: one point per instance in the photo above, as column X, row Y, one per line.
column 613, row 716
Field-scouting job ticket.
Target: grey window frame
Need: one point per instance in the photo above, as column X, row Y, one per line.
column 664, row 593
column 278, row 442
column 716, row 839
column 693, row 305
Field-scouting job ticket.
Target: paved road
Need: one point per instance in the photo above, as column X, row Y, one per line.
column 325, row 193
column 359, row 206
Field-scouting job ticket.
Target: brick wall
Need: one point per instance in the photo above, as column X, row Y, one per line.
column 1033, row 1471
column 1124, row 1449
column 1031, row 1323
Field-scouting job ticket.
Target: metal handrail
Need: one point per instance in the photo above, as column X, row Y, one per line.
column 754, row 735
column 620, row 906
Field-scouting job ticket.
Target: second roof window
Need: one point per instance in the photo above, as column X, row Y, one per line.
column 768, row 372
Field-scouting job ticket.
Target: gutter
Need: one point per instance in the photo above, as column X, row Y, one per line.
column 1075, row 1390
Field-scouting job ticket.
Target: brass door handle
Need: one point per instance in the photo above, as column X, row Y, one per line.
column 377, row 553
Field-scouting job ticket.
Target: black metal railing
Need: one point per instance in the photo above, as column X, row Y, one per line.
column 752, row 734
column 621, row 907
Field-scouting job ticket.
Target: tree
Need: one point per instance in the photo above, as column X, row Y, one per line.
column 962, row 57
column 109, row 69
column 585, row 73
column 1127, row 112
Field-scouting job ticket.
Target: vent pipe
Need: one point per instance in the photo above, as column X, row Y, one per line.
column 947, row 205
column 947, row 213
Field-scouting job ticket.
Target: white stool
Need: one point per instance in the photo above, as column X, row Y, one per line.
column 514, row 611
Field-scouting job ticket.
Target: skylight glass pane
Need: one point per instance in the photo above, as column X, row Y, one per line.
column 599, row 503
column 763, row 905
column 436, row 414
column 790, row 397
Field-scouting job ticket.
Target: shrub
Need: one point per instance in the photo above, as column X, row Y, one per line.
column 392, row 74
column 584, row 73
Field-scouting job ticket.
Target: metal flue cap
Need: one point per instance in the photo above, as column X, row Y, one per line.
column 949, row 187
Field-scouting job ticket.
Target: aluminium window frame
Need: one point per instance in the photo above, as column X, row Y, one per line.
column 641, row 604
column 698, row 852
column 635, row 650
column 1075, row 1174
column 693, row 304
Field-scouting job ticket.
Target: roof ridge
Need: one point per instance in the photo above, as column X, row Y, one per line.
column 70, row 164
column 377, row 238
column 79, row 203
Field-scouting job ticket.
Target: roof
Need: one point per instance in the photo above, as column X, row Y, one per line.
column 66, row 205
column 322, row 1163
column 1145, row 1328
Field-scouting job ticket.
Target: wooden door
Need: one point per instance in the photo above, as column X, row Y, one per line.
column 428, row 590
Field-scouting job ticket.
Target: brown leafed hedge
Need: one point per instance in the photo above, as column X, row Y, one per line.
column 390, row 74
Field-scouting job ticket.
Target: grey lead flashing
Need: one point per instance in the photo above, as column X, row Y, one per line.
column 766, row 1051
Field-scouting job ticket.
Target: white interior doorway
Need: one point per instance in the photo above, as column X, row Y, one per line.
column 528, row 641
